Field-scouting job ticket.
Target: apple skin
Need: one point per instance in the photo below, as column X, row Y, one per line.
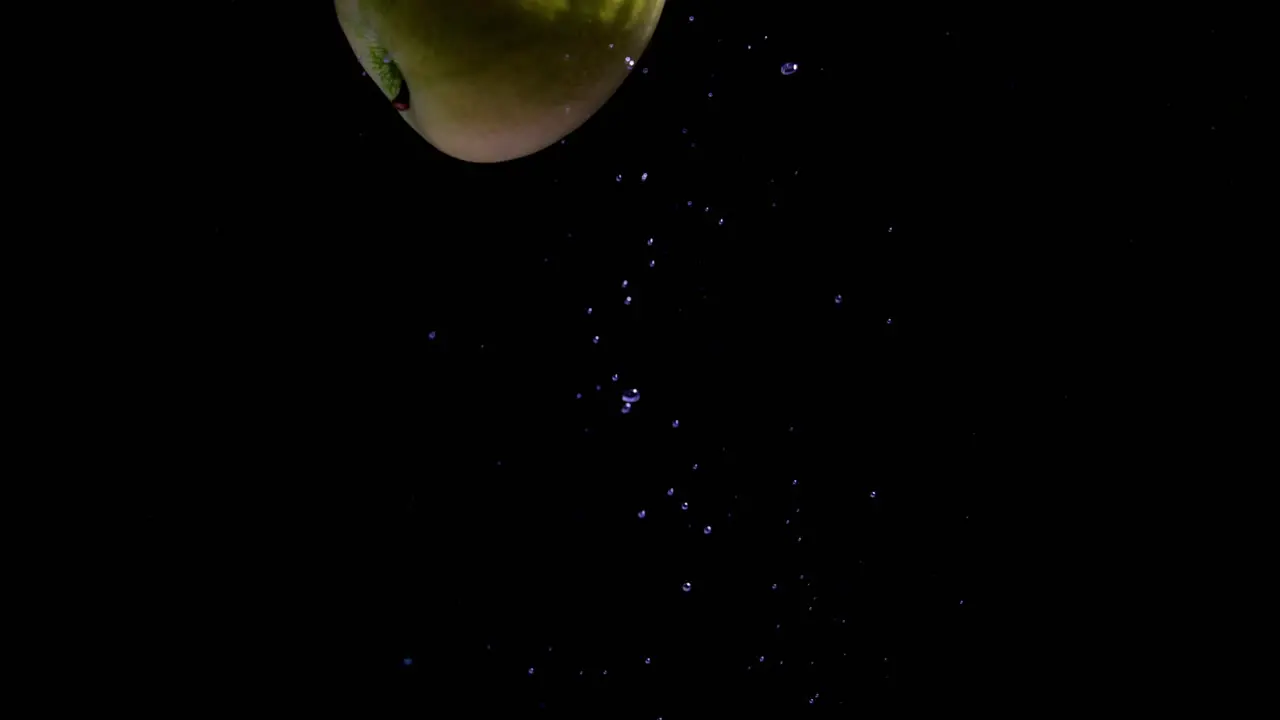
column 494, row 80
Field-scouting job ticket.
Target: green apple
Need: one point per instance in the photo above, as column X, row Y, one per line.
column 493, row 80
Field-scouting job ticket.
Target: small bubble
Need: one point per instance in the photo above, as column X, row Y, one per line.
column 530, row 671
column 789, row 68
column 628, row 59
column 590, row 310
column 675, row 423
column 640, row 514
column 721, row 221
column 579, row 396
column 889, row 321
column 710, row 94
column 633, row 396
column 707, row 531
column 795, row 482
column 775, row 586
column 650, row 242
column 624, row 283
column 690, row 18
column 652, row 263
column 873, row 493
column 409, row 661
column 684, row 506
column 610, row 46
column 614, row 377
column 689, row 204
column 618, row 178
column 684, row 131
column 645, row 70
column 627, row 301
column 595, row 340
column 671, row 491
column 626, row 408
column 431, row 335
column 644, row 176
column 839, row 299
column 695, row 466
column 687, row 587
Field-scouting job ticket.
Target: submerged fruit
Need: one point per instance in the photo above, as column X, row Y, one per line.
column 493, row 80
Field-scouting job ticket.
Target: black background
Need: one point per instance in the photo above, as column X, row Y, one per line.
column 1021, row 195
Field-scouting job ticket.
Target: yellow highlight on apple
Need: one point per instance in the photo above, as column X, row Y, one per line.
column 494, row 80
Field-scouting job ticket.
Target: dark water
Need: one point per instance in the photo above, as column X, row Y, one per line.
column 360, row 370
